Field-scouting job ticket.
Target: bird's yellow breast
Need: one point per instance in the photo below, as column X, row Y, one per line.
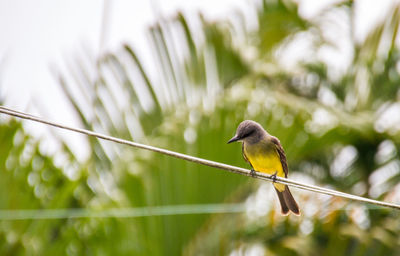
column 265, row 158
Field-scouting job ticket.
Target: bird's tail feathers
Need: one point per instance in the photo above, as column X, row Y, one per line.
column 287, row 202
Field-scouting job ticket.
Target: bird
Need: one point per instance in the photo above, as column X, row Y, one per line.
column 265, row 153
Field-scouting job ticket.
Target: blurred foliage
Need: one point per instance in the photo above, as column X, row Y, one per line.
column 338, row 125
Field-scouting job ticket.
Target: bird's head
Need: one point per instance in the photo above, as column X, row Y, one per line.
column 248, row 130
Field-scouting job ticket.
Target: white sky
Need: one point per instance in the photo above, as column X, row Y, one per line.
column 37, row 36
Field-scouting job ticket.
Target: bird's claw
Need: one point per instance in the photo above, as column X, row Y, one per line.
column 253, row 173
column 273, row 176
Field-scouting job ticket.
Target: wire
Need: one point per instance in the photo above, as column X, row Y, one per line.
column 213, row 164
column 121, row 212
column 131, row 212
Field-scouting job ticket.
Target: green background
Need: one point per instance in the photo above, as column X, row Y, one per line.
column 340, row 129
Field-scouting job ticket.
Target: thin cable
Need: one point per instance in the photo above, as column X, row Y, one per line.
column 130, row 212
column 213, row 164
column 135, row 212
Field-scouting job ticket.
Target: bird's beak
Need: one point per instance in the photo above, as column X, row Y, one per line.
column 235, row 138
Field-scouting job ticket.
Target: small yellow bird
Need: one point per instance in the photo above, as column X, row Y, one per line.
column 265, row 154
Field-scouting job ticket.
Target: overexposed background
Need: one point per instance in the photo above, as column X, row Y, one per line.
column 41, row 37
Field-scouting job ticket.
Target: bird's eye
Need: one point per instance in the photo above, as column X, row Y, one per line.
column 248, row 133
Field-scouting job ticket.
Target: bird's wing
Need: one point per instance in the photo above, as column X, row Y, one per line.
column 281, row 153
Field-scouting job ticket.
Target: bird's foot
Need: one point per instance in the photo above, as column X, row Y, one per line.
column 253, row 173
column 273, row 176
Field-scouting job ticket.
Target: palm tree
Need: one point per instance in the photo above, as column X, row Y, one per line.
column 333, row 126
